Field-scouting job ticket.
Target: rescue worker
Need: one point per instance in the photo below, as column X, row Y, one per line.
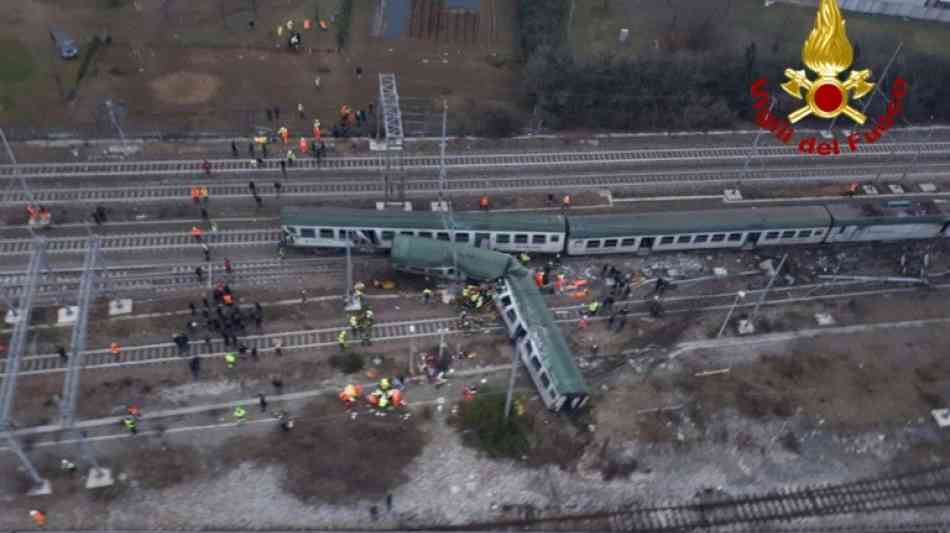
column 199, row 273
column 206, row 166
column 227, row 265
column 852, row 189
column 593, row 307
column 228, row 299
column 384, row 384
column 234, row 149
column 395, row 398
column 302, row 146
column 483, row 202
column 130, row 424
column 354, row 323
column 427, row 295
column 196, row 195
column 566, row 202
column 383, row 401
column 204, row 195
column 196, row 233
column 524, row 258
column 370, row 319
column 231, row 359
column 240, row 414
column 38, row 517
column 67, row 466
column 116, row 351
column 286, row 423
column 341, row 340
column 284, row 134
column 539, row 279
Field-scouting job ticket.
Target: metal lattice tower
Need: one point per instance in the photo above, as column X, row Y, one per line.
column 38, row 263
column 87, row 294
column 390, row 119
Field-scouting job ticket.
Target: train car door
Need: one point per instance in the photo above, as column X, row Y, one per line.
column 752, row 238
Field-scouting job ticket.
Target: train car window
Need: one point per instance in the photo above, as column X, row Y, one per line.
column 461, row 237
column 511, row 314
column 701, row 238
column 593, row 244
column 771, row 235
column 735, row 237
column 666, row 240
column 389, row 235
column 555, row 238
column 841, row 229
column 443, row 236
column 425, row 234
column 819, row 232
column 536, row 363
column 506, row 301
column 684, row 239
column 521, row 238
column 308, row 233
column 409, row 233
column 610, row 243
column 788, row 234
column 628, row 242
column 292, row 229
column 538, row 239
column 325, row 233
column 479, row 237
column 719, row 237
column 544, row 379
column 502, row 238
column 804, row 234
column 528, row 346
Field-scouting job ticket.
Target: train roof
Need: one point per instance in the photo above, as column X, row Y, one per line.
column 544, row 331
column 888, row 212
column 711, row 220
column 396, row 220
column 475, row 262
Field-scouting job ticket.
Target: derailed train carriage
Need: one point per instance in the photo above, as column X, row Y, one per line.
column 747, row 227
column 541, row 345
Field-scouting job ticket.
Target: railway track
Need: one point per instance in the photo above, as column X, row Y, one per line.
column 144, row 241
column 915, row 490
column 417, row 162
column 400, row 330
column 430, row 186
column 161, row 279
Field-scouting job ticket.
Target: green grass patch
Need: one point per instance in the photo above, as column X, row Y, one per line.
column 16, row 62
column 483, row 426
column 343, row 23
column 779, row 29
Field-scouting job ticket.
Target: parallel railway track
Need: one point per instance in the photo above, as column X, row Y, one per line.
column 144, row 241
column 392, row 331
column 916, row 490
column 416, row 162
column 430, row 186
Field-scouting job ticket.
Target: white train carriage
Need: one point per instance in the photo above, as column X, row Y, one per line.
column 506, row 232
column 887, row 221
column 696, row 230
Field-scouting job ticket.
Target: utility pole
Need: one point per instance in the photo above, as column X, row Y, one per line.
column 755, row 145
column 115, row 124
column 768, row 287
column 739, row 296
column 883, row 76
column 447, row 219
column 514, row 373
column 391, row 124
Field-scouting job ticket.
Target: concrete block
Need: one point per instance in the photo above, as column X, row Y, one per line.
column 99, row 477
column 43, row 489
column 440, row 206
column 122, row 306
column 732, row 195
column 67, row 315
column 12, row 317
column 720, row 272
column 896, row 189
column 928, row 187
column 869, row 189
column 624, row 35
column 824, row 319
column 380, row 206
column 746, row 327
column 942, row 417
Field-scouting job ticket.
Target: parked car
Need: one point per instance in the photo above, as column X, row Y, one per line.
column 66, row 45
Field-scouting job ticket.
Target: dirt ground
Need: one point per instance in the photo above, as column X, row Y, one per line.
column 201, row 68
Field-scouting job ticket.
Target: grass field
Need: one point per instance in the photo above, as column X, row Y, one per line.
column 780, row 28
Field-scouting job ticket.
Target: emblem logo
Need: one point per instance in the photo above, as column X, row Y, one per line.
column 827, row 52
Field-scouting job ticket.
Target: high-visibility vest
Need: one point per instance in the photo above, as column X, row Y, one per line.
column 239, row 412
column 230, row 358
column 383, row 401
column 204, row 192
column 353, row 321
column 384, row 384
column 341, row 337
column 129, row 422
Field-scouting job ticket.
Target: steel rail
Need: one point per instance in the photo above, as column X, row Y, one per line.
column 430, row 187
column 375, row 163
column 400, row 330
